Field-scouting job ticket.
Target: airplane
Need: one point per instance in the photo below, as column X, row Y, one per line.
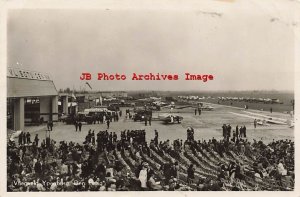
column 269, row 117
column 159, row 103
column 171, row 105
column 150, row 99
column 145, row 100
column 262, row 123
column 291, row 124
column 110, row 99
column 155, row 98
column 198, row 105
column 170, row 118
column 262, row 119
column 251, row 100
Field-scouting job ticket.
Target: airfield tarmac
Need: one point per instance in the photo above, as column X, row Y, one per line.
column 206, row 126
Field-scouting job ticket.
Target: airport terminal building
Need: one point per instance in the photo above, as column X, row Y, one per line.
column 32, row 98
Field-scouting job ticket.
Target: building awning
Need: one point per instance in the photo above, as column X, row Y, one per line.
column 18, row 87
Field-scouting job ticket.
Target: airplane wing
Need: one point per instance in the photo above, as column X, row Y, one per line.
column 166, row 106
column 273, row 118
column 275, row 122
column 182, row 107
column 244, row 115
column 260, row 118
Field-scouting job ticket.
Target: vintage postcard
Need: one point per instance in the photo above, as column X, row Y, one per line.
column 141, row 96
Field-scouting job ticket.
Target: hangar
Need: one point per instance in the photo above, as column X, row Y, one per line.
column 32, row 98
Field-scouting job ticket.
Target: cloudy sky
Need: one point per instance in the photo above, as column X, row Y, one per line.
column 245, row 44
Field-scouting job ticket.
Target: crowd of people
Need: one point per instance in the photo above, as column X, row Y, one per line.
column 104, row 162
column 230, row 133
column 97, row 118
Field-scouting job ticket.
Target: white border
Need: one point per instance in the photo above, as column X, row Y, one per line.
column 123, row 4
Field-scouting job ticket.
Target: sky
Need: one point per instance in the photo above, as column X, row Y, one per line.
column 245, row 44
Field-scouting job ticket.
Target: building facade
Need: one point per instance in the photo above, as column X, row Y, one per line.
column 31, row 98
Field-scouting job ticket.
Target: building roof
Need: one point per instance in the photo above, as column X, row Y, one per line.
column 20, row 87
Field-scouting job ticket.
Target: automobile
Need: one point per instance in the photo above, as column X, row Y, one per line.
column 141, row 115
column 62, row 118
column 84, row 117
column 81, row 116
column 68, row 119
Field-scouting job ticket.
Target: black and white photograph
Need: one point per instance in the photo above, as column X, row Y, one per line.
column 186, row 96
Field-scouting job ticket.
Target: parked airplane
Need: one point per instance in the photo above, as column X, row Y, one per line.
column 203, row 107
column 170, row 118
column 262, row 119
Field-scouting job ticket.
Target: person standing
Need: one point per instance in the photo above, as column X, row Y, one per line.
column 199, row 111
column 178, row 119
column 48, row 125
column 24, row 138
column 38, row 168
column 241, row 132
column 115, row 137
column 107, row 123
column 156, row 137
column 79, row 125
column 36, row 140
column 150, row 120
column 110, row 137
column 192, row 134
column 195, row 112
column 51, row 125
column 237, row 131
column 172, row 119
column 224, row 128
column 93, row 139
column 271, row 110
column 255, row 122
column 28, row 138
column 76, row 125
column 20, row 138
column 188, row 131
column 143, row 176
column 103, row 119
column 229, row 130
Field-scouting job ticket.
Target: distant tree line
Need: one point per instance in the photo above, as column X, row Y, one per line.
column 69, row 91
